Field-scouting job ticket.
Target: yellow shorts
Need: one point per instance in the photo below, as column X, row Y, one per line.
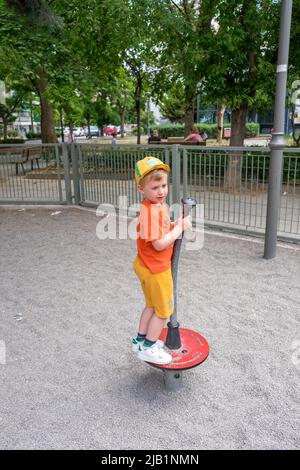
column 157, row 288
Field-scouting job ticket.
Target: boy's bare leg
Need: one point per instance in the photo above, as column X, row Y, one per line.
column 145, row 319
column 155, row 327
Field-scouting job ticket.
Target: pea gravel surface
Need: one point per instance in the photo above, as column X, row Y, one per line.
column 69, row 305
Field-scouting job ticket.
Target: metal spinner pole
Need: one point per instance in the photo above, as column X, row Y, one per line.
column 173, row 378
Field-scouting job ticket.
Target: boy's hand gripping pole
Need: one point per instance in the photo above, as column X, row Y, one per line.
column 173, row 340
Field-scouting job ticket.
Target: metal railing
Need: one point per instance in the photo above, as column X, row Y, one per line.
column 32, row 174
column 107, row 172
column 232, row 183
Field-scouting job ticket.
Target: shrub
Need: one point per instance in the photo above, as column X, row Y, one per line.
column 38, row 135
column 12, row 141
column 177, row 130
column 134, row 131
column 33, row 135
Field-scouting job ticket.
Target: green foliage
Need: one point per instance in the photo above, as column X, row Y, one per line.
column 243, row 60
column 177, row 130
column 37, row 135
column 103, row 57
column 12, row 140
column 34, row 135
column 135, row 130
column 172, row 104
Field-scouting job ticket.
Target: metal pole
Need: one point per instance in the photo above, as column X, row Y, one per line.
column 175, row 175
column 75, row 173
column 173, row 340
column 67, row 173
column 277, row 142
column 286, row 115
column 148, row 117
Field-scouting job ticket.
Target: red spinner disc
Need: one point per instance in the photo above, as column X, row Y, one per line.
column 194, row 350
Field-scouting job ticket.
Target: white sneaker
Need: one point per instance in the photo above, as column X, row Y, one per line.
column 154, row 354
column 136, row 344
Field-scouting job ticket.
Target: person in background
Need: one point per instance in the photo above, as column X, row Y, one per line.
column 154, row 137
column 204, row 136
column 194, row 136
column 70, row 137
column 114, row 139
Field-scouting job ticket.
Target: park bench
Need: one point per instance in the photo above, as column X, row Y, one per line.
column 15, row 156
column 177, row 141
column 34, row 153
column 19, row 156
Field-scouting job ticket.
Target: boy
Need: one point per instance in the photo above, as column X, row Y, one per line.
column 156, row 236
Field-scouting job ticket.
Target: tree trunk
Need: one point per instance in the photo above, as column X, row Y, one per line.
column 189, row 119
column 5, row 124
column 137, row 98
column 221, row 112
column 47, row 117
column 122, row 116
column 61, row 125
column 234, row 165
column 138, row 120
column 31, row 117
column 238, row 125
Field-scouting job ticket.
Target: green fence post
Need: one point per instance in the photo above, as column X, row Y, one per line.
column 57, row 157
column 75, row 173
column 185, row 173
column 175, row 177
column 67, row 173
column 175, row 174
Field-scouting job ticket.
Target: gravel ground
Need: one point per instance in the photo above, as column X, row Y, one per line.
column 69, row 304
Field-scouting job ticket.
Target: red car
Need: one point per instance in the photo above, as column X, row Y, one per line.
column 109, row 130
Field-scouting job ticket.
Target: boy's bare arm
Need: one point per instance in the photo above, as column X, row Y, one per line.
column 180, row 225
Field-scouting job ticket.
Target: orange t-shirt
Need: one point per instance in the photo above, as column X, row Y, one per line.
column 153, row 223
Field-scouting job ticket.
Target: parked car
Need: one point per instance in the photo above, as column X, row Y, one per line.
column 119, row 131
column 78, row 132
column 109, row 130
column 94, row 132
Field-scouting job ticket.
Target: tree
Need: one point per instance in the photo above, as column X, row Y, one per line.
column 122, row 94
column 28, row 28
column 294, row 68
column 242, row 70
column 187, row 32
column 104, row 29
column 242, row 74
column 137, row 69
column 221, row 112
column 172, row 104
column 7, row 111
column 42, row 41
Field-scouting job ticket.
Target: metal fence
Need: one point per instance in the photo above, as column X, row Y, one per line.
column 232, row 183
column 32, row 174
column 106, row 172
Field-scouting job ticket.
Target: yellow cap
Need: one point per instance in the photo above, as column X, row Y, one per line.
column 143, row 167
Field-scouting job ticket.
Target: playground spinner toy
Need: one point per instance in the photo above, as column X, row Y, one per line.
column 187, row 347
